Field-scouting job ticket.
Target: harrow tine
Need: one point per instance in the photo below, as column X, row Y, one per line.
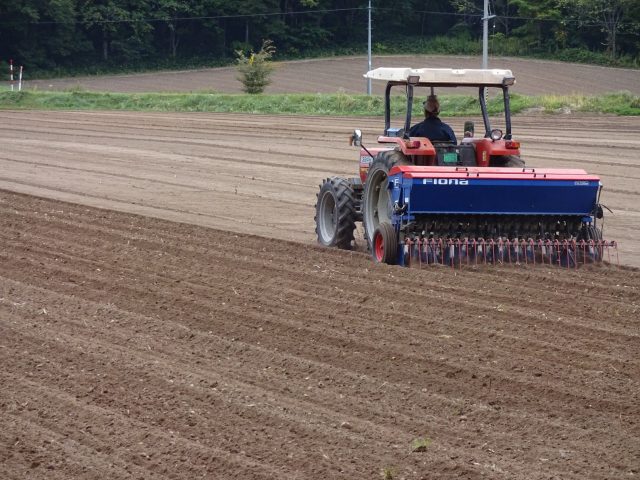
column 434, row 251
column 452, row 253
column 475, row 252
column 427, row 249
column 467, row 248
column 458, row 252
column 509, row 245
column 548, row 251
column 484, row 250
column 493, row 252
column 435, row 248
column 533, row 250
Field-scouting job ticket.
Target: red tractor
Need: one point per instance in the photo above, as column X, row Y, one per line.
column 428, row 201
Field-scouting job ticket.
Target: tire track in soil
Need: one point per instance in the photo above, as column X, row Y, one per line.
column 501, row 371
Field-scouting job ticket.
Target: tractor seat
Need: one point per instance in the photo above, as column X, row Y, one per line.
column 450, row 155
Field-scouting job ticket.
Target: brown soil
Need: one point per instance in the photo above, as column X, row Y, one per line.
column 135, row 347
column 330, row 75
column 258, row 174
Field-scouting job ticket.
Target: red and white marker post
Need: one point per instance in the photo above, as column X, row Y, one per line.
column 12, row 76
column 11, row 73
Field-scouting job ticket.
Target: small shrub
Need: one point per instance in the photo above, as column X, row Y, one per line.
column 380, row 48
column 255, row 69
column 420, row 444
column 388, row 473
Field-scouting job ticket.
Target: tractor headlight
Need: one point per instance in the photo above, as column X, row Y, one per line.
column 496, row 134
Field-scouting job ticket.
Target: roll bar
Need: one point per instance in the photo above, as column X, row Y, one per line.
column 483, row 106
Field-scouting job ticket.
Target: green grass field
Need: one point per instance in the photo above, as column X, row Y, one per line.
column 341, row 104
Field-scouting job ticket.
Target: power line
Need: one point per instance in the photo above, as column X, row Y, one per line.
column 516, row 17
column 204, row 17
column 477, row 16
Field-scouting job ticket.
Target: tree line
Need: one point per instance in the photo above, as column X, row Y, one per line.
column 70, row 33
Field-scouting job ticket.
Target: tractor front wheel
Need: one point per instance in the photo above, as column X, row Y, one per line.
column 376, row 200
column 336, row 213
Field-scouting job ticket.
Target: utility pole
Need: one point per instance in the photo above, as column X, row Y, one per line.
column 485, row 40
column 485, row 34
column 369, row 50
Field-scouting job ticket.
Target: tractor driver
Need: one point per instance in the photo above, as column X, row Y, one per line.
column 432, row 127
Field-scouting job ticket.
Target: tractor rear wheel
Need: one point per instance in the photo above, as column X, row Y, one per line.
column 385, row 244
column 335, row 213
column 376, row 200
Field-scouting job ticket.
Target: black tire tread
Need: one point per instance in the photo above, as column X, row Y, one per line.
column 346, row 211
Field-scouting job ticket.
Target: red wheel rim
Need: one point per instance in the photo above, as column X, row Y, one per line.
column 378, row 246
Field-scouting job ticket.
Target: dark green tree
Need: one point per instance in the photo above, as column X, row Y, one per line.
column 119, row 27
column 607, row 15
column 41, row 34
column 50, row 34
column 542, row 27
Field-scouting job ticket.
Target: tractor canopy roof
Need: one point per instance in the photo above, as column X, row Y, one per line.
column 450, row 77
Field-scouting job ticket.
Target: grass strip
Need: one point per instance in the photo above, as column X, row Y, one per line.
column 338, row 104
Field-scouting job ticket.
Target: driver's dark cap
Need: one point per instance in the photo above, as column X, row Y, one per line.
column 431, row 104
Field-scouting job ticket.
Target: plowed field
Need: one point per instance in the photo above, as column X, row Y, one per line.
column 134, row 347
column 329, row 75
column 258, row 174
column 230, row 346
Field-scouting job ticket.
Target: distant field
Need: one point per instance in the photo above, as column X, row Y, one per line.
column 329, row 75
